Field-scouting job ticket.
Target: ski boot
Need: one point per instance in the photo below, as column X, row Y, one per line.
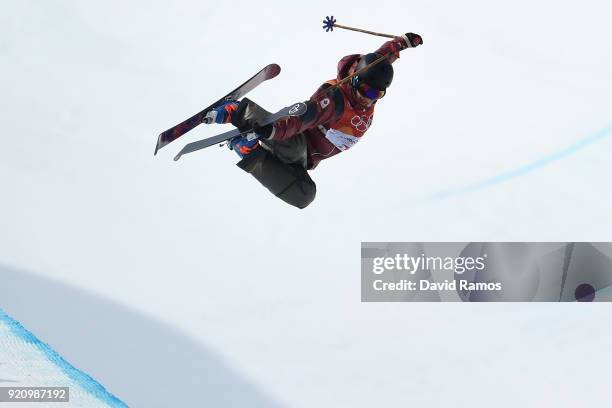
column 244, row 145
column 222, row 113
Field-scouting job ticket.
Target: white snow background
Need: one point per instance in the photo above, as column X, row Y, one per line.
column 485, row 134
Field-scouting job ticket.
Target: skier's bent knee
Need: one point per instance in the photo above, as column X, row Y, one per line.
column 289, row 182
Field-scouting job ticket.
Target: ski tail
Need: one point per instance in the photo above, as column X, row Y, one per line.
column 170, row 135
column 297, row 109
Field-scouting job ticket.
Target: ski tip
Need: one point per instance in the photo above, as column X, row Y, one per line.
column 159, row 144
column 273, row 70
column 177, row 157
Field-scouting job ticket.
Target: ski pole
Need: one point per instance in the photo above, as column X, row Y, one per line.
column 330, row 24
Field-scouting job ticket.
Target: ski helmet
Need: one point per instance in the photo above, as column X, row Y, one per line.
column 378, row 76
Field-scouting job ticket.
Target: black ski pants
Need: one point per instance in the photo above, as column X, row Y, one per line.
column 280, row 166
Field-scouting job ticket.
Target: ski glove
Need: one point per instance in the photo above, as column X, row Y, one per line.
column 412, row 39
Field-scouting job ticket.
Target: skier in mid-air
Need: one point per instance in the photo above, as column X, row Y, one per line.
column 280, row 154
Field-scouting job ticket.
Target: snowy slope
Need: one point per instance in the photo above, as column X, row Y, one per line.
column 498, row 128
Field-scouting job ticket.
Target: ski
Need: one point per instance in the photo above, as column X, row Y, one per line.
column 296, row 109
column 185, row 126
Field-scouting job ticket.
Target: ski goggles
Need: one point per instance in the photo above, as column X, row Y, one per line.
column 369, row 92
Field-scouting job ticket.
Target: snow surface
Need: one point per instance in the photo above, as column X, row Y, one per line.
column 25, row 361
column 191, row 275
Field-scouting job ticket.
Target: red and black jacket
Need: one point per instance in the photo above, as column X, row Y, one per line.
column 334, row 120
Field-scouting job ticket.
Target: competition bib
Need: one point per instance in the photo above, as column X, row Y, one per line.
column 341, row 140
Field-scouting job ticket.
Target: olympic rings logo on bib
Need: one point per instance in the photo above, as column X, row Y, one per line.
column 361, row 123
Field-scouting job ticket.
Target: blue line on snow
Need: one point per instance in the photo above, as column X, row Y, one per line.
column 85, row 381
column 527, row 168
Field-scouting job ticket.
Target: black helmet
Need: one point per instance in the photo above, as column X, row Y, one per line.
column 378, row 76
